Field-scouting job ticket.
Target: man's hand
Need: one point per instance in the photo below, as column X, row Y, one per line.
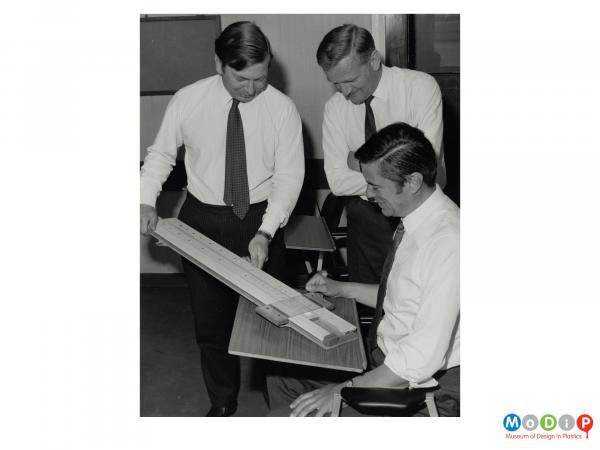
column 353, row 162
column 148, row 219
column 326, row 286
column 258, row 248
column 319, row 400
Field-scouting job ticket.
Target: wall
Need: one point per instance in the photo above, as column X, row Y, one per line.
column 294, row 40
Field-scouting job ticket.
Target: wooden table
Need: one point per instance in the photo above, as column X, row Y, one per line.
column 309, row 233
column 255, row 337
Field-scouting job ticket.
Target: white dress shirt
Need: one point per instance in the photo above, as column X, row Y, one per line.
column 197, row 117
column 419, row 333
column 402, row 95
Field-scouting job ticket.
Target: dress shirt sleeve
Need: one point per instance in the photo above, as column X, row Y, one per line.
column 342, row 180
column 424, row 351
column 288, row 174
column 428, row 98
column 161, row 155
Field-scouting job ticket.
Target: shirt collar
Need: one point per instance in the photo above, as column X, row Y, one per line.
column 418, row 216
column 222, row 93
column 382, row 90
column 224, row 96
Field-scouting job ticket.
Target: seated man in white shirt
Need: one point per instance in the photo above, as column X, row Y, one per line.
column 416, row 342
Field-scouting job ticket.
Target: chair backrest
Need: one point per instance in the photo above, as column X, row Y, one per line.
column 332, row 210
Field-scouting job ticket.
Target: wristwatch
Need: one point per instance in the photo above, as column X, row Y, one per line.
column 264, row 234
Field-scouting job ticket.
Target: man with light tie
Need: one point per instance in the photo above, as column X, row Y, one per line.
column 244, row 159
column 369, row 97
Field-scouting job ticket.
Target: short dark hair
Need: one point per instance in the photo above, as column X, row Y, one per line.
column 342, row 41
column 403, row 150
column 242, row 44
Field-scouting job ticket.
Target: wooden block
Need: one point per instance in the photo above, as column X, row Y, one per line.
column 318, row 299
column 308, row 323
column 272, row 314
column 333, row 322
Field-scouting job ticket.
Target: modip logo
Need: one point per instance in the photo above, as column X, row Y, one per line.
column 548, row 426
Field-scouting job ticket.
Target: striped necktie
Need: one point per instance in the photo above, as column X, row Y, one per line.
column 236, row 192
column 387, row 267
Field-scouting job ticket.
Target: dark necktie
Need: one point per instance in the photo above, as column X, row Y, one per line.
column 387, row 266
column 236, row 191
column 370, row 128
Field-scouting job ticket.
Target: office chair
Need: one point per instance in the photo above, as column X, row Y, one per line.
column 386, row 401
column 331, row 211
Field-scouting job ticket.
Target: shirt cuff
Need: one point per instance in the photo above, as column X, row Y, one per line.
column 412, row 383
column 148, row 199
column 270, row 225
column 428, row 383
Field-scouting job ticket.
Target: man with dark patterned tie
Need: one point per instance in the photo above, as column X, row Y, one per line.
column 369, row 97
column 414, row 340
column 244, row 159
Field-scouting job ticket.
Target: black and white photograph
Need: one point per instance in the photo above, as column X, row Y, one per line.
column 311, row 225
column 288, row 162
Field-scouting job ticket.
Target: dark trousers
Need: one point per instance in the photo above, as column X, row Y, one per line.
column 285, row 388
column 214, row 304
column 287, row 382
column 447, row 397
column 370, row 237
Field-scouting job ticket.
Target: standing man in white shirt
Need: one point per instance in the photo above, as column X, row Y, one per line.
column 244, row 159
column 369, row 97
column 414, row 340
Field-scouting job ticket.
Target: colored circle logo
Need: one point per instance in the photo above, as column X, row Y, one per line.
column 530, row 422
column 512, row 422
column 548, row 422
column 566, row 422
column 585, row 423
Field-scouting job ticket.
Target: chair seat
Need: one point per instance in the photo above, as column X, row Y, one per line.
column 385, row 401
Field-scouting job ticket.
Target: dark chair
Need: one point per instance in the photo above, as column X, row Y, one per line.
column 386, row 401
column 331, row 211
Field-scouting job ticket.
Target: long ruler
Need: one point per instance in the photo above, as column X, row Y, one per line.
column 276, row 301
